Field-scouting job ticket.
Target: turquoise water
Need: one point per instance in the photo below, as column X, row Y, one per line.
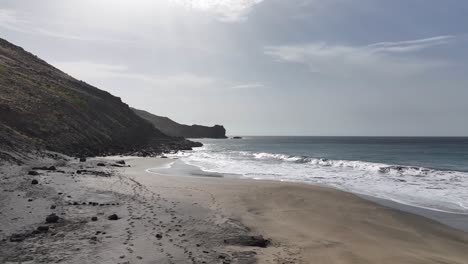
column 430, row 173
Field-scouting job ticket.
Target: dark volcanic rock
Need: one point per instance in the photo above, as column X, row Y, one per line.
column 43, row 229
column 101, row 164
column 34, row 182
column 82, row 159
column 121, row 162
column 52, row 168
column 40, row 168
column 113, row 217
column 17, row 237
column 52, row 218
column 248, row 241
column 94, row 218
column 34, row 173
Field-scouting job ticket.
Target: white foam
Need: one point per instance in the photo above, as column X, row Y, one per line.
column 430, row 189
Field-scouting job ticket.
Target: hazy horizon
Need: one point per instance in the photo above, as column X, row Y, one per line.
column 264, row 67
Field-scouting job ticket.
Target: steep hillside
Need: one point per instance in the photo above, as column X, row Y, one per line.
column 173, row 128
column 42, row 107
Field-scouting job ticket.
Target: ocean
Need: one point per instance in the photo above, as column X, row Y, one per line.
column 425, row 172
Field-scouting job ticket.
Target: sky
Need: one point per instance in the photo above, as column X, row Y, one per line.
column 264, row 67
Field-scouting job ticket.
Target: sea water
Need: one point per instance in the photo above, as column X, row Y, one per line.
column 426, row 172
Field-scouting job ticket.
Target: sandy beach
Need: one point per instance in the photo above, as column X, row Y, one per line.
column 170, row 218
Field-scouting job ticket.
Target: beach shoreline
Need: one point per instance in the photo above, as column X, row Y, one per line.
column 452, row 219
column 205, row 218
column 243, row 198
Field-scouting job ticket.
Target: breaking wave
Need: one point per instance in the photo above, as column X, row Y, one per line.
column 417, row 186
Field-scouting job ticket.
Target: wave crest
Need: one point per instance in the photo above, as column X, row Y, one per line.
column 359, row 165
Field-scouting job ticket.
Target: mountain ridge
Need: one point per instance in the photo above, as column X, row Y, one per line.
column 172, row 128
column 42, row 107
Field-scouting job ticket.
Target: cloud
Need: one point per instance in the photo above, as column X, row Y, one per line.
column 386, row 58
column 91, row 71
column 410, row 45
column 247, row 86
column 225, row 10
column 12, row 20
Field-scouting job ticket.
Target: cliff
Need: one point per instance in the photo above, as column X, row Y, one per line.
column 43, row 108
column 172, row 128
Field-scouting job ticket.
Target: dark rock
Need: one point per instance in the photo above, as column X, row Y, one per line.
column 52, row 168
column 40, row 168
column 94, row 218
column 236, row 137
column 17, row 238
column 122, row 162
column 53, row 207
column 43, row 229
column 113, row 217
column 100, row 164
column 34, row 173
column 34, row 181
column 248, row 241
column 52, row 218
column 82, row 159
column 158, row 236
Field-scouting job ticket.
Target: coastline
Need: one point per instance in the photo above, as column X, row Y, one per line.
column 205, row 218
column 451, row 219
column 290, row 213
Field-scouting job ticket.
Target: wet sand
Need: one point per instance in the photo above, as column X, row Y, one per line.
column 324, row 225
column 201, row 217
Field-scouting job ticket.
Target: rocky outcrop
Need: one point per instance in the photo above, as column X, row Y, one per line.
column 42, row 107
column 172, row 128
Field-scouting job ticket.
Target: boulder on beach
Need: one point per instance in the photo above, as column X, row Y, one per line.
column 52, row 218
column 43, row 229
column 33, row 173
column 248, row 241
column 34, row 181
column 17, row 238
column 113, row 217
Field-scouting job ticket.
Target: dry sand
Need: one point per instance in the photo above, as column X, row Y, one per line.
column 187, row 219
